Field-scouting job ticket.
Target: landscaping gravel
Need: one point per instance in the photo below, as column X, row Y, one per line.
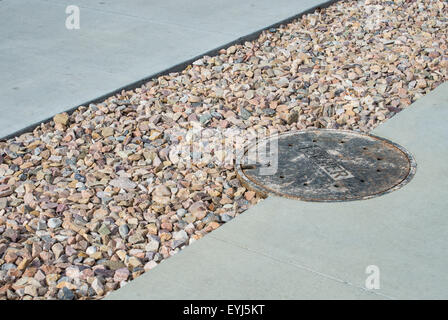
column 91, row 200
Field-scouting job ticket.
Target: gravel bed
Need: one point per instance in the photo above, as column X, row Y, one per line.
column 91, row 200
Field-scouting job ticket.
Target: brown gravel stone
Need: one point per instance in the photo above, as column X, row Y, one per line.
column 61, row 118
column 198, row 210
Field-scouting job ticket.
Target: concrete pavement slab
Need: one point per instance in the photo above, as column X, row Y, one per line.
column 402, row 233
column 194, row 274
column 230, row 17
column 46, row 69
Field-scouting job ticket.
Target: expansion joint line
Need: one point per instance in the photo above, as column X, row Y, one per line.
column 294, row 264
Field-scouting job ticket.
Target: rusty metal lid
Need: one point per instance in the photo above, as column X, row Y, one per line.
column 325, row 165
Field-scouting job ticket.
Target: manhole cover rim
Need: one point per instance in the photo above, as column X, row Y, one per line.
column 265, row 191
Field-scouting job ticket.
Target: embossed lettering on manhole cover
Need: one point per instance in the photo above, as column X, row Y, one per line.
column 325, row 165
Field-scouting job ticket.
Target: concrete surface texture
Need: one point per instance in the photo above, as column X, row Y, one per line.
column 46, row 68
column 288, row 249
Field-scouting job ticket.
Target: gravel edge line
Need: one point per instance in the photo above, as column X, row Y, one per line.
column 176, row 68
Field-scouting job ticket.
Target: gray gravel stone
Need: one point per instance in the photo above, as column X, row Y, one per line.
column 54, row 223
column 123, row 230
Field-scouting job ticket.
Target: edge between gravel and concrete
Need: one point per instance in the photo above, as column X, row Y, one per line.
column 178, row 67
column 323, row 250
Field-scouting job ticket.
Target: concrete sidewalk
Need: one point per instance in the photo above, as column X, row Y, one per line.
column 287, row 249
column 46, row 69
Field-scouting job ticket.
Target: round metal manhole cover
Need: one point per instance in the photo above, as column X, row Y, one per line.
column 325, row 165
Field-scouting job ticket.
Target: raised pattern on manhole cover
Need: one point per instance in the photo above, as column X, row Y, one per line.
column 325, row 165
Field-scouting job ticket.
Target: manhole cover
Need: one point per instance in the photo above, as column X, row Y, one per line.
column 325, row 165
